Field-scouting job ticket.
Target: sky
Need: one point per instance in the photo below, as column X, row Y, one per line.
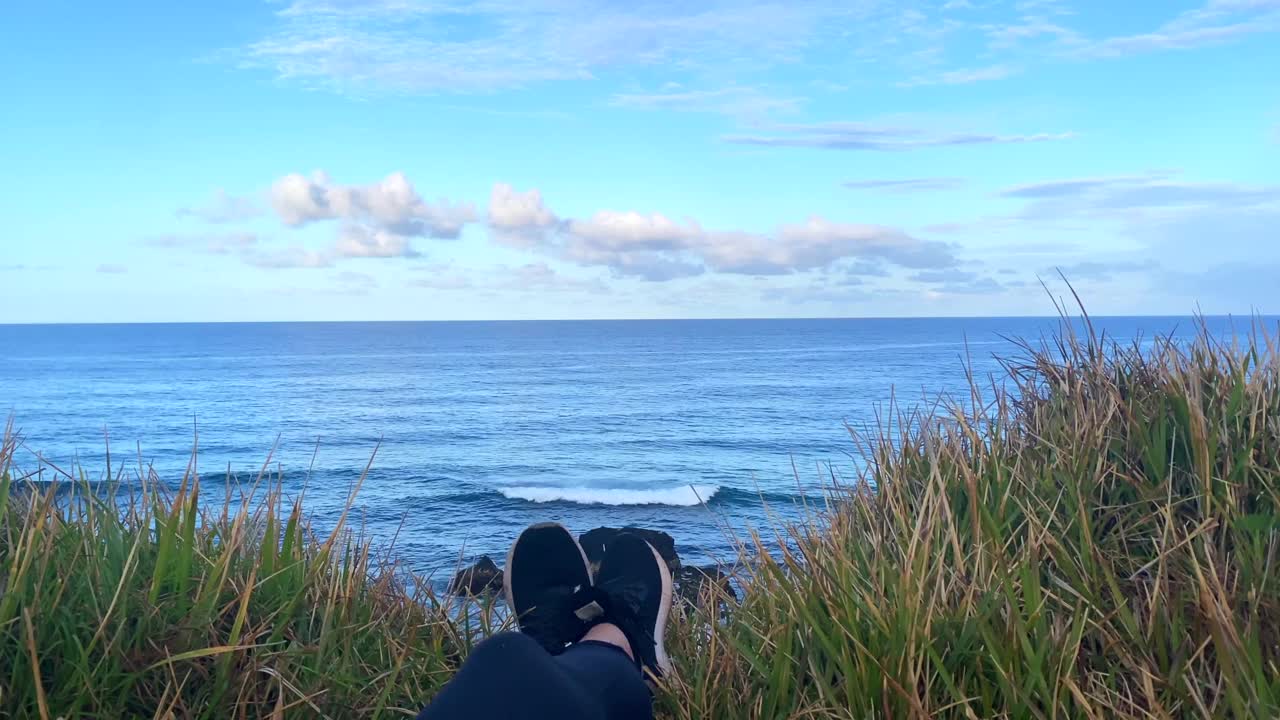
column 541, row 159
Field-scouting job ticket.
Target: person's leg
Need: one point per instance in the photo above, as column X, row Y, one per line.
column 510, row 676
column 584, row 650
column 603, row 664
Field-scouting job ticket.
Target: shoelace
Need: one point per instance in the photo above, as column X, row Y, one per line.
column 614, row 604
column 552, row 616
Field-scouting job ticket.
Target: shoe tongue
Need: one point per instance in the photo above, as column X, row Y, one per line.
column 589, row 604
column 618, row 604
column 613, row 602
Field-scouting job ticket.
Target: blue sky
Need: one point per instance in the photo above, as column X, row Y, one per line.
column 474, row 159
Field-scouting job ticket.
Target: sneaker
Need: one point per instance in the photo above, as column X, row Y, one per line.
column 635, row 584
column 545, row 569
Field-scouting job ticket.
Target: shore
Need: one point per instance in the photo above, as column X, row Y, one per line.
column 1095, row 536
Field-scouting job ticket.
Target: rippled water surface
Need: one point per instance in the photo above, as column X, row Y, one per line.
column 486, row 427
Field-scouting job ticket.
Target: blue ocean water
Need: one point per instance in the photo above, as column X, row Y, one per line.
column 483, row 428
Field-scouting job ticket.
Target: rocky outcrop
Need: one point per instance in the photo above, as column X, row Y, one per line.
column 483, row 577
column 697, row 584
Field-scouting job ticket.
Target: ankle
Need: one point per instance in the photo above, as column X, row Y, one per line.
column 609, row 634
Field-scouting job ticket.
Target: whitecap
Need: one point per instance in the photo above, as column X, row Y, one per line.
column 682, row 496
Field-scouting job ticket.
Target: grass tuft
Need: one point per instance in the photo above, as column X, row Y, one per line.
column 1098, row 539
column 152, row 604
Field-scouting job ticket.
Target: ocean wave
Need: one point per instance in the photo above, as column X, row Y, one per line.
column 683, row 496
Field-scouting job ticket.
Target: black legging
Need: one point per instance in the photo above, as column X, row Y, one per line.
column 510, row 677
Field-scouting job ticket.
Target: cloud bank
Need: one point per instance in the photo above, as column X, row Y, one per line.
column 391, row 205
column 656, row 247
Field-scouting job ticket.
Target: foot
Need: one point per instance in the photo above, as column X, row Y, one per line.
column 635, row 587
column 545, row 569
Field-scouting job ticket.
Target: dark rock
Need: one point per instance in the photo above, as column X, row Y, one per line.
column 693, row 584
column 482, row 577
column 594, row 541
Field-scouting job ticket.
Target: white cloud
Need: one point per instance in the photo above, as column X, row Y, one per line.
column 112, row 269
column 1073, row 186
column 518, row 218
column 611, row 230
column 223, row 208
column 963, row 76
column 653, row 246
column 907, row 185
column 467, row 45
column 651, row 266
column 818, row 242
column 288, row 258
column 1008, row 35
column 742, row 102
column 391, row 204
column 1123, row 196
column 868, row 136
column 364, row 47
column 647, row 246
column 1215, row 22
column 356, row 241
column 379, row 220
column 298, row 199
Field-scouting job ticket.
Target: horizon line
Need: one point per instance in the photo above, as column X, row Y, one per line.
column 1254, row 315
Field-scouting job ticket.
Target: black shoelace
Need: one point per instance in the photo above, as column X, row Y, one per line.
column 616, row 604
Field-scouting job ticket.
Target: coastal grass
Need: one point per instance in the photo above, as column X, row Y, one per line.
column 1098, row 538
column 1096, row 534
column 119, row 602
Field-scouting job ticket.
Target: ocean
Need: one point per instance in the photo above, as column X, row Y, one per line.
column 698, row 427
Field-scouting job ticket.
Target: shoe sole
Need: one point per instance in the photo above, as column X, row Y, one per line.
column 664, row 611
column 506, row 569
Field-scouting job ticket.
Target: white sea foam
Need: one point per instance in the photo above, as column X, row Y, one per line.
column 683, row 496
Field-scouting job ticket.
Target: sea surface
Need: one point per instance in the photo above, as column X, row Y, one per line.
column 698, row 427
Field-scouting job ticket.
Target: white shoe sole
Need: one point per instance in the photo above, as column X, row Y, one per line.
column 664, row 611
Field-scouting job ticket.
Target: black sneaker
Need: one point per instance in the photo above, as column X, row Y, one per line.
column 635, row 585
column 545, row 569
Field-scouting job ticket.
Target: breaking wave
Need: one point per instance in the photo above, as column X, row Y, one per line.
column 683, row 496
